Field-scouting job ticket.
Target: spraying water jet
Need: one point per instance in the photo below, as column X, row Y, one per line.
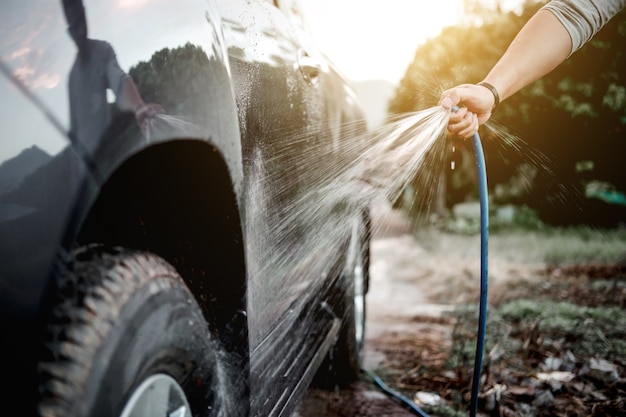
column 482, row 317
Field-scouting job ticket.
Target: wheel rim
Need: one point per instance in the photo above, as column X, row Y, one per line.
column 358, row 277
column 158, row 395
column 359, row 299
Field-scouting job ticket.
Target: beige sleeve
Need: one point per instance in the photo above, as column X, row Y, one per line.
column 584, row 18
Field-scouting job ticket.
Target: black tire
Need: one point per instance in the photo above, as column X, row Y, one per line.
column 343, row 364
column 123, row 324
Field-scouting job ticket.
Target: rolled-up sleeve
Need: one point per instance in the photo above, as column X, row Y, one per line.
column 584, row 18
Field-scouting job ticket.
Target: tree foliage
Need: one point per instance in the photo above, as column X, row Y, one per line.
column 569, row 125
column 173, row 77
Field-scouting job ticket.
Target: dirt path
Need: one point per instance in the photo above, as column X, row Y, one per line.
column 401, row 273
column 409, row 336
column 404, row 325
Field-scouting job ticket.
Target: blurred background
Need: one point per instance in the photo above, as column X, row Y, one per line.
column 554, row 156
column 554, row 151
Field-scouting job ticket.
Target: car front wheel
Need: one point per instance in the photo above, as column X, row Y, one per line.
column 126, row 338
column 343, row 364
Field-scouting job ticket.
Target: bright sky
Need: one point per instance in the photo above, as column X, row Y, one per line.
column 370, row 39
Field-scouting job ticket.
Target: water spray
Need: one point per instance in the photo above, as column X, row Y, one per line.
column 482, row 315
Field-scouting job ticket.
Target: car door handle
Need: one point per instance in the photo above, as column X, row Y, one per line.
column 310, row 67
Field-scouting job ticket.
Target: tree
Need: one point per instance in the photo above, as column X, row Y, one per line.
column 569, row 125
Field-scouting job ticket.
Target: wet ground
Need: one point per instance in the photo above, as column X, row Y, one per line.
column 394, row 300
column 409, row 336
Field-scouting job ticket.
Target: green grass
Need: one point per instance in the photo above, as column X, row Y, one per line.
column 551, row 326
column 553, row 246
column 584, row 244
column 576, row 245
column 526, row 238
column 558, row 246
column 544, row 316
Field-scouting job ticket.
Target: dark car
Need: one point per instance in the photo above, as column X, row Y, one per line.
column 175, row 238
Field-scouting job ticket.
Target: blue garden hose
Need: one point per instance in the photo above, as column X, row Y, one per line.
column 482, row 314
column 484, row 281
column 410, row 404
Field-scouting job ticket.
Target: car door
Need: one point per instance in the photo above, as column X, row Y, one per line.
column 291, row 106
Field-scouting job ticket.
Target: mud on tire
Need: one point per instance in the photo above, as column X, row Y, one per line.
column 120, row 317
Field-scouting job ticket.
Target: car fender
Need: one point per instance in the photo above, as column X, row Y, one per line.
column 49, row 180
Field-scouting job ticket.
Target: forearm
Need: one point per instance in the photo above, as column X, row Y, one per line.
column 129, row 99
column 531, row 56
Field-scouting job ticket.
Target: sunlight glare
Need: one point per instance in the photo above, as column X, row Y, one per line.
column 130, row 4
column 374, row 40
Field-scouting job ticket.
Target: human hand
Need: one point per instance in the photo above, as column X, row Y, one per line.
column 145, row 112
column 475, row 104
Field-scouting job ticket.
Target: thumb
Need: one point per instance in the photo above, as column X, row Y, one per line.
column 449, row 98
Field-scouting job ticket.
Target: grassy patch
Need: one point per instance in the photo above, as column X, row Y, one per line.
column 586, row 331
column 584, row 245
column 557, row 302
column 559, row 246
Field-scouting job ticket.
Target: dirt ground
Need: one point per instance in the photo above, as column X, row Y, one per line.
column 398, row 293
column 415, row 285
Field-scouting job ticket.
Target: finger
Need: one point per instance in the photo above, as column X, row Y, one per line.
column 454, row 96
column 449, row 98
column 458, row 115
column 142, row 112
column 470, row 128
column 458, row 125
column 460, row 120
column 156, row 109
column 475, row 125
column 456, row 128
column 463, row 127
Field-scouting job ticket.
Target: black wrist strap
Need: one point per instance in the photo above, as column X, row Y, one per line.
column 496, row 96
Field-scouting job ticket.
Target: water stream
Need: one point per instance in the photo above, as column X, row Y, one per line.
column 302, row 199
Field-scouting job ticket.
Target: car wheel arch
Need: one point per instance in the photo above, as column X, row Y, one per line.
column 177, row 200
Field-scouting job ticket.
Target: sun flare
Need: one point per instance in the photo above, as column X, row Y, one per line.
column 374, row 40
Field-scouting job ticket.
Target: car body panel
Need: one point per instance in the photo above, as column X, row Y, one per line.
column 39, row 59
column 237, row 78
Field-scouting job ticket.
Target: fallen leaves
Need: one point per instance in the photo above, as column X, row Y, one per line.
column 546, row 358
